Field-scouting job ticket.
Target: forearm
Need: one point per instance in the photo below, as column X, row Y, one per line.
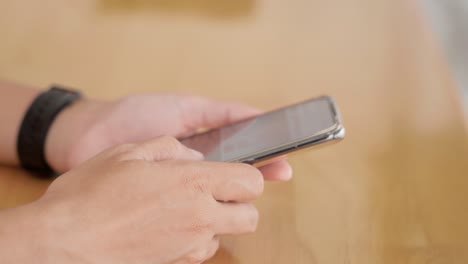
column 14, row 102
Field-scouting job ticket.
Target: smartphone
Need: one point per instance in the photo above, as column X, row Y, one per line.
column 261, row 139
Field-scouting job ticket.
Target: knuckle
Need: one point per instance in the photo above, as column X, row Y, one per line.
column 195, row 183
column 170, row 141
column 171, row 144
column 123, row 151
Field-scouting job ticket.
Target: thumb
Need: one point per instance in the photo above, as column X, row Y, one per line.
column 165, row 148
column 205, row 113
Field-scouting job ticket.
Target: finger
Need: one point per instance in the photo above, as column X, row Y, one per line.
column 236, row 218
column 277, row 171
column 236, row 182
column 166, row 148
column 202, row 112
column 224, row 181
column 212, row 248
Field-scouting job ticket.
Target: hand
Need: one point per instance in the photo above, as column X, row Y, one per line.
column 154, row 202
column 89, row 127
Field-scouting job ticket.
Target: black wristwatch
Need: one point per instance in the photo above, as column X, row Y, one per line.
column 36, row 124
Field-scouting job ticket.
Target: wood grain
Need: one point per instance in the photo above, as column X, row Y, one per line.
column 394, row 191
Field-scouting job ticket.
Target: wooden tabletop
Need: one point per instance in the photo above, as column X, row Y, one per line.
column 394, row 191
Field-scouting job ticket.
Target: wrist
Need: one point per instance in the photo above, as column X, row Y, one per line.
column 14, row 103
column 36, row 124
column 65, row 133
column 23, row 235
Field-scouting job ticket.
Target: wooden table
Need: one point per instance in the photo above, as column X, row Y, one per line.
column 394, row 191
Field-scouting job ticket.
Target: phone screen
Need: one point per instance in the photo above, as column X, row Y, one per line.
column 266, row 131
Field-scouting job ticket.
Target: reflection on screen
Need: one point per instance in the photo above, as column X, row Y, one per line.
column 264, row 132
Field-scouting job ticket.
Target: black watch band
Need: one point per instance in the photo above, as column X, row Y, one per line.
column 36, row 124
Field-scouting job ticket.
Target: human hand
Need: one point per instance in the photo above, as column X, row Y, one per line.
column 154, row 202
column 88, row 127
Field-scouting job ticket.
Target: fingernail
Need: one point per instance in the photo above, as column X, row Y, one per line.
column 290, row 172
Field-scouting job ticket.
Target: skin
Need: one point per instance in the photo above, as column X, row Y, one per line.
column 130, row 192
column 168, row 211
column 97, row 125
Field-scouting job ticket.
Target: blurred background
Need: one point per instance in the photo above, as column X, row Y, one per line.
column 394, row 191
column 450, row 22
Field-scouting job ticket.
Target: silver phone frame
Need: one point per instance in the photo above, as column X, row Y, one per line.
column 334, row 133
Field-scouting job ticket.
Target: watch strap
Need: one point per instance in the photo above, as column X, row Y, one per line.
column 36, row 124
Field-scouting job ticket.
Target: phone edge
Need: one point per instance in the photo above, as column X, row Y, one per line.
column 333, row 134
